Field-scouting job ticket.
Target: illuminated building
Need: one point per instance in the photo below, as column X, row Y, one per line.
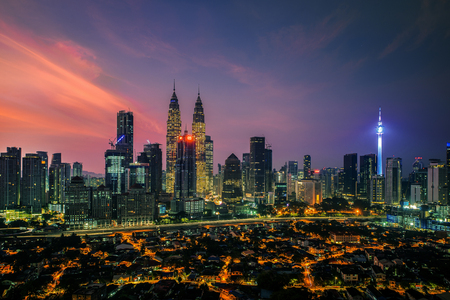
column 257, row 167
column 198, row 132
column 77, row 169
column 209, row 155
column 307, row 167
column 309, row 191
column 350, row 175
column 32, row 178
column 329, row 182
column 102, row 205
column 10, row 169
column 173, row 132
column 291, row 177
column 377, row 190
column 268, row 178
column 393, row 181
column 380, row 129
column 59, row 179
column 185, row 173
column 124, row 142
column 367, row 169
column 136, row 207
column 44, row 169
column 232, row 185
column 138, row 173
column 77, row 205
column 437, row 182
column 246, row 173
column 115, row 173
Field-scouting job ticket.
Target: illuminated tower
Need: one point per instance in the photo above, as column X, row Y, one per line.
column 124, row 142
column 307, row 167
column 209, row 154
column 198, row 131
column 173, row 132
column 10, row 169
column 185, row 175
column 257, row 166
column 380, row 129
column 232, row 181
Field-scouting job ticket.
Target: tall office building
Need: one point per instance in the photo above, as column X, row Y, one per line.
column 268, row 177
column 393, row 181
column 44, row 183
column 138, row 173
column 245, row 173
column 350, row 175
column 125, row 131
column 232, row 184
column 185, row 173
column 291, row 177
column 115, row 170
column 209, row 154
column 307, row 167
column 59, row 179
column 101, row 210
column 329, row 182
column 377, row 190
column 437, row 182
column 77, row 204
column 154, row 156
column 173, row 132
column 367, row 169
column 56, row 159
column 418, row 164
column 77, row 169
column 198, row 132
column 257, row 167
column 32, row 178
column 10, row 170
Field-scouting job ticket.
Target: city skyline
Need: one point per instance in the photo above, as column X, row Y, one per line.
column 309, row 77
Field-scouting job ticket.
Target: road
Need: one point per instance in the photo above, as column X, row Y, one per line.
column 111, row 230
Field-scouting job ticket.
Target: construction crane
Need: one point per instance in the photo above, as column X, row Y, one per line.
column 111, row 142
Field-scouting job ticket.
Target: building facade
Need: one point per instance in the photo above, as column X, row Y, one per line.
column 173, row 132
column 232, row 181
column 185, row 168
column 350, row 175
column 393, row 181
column 10, row 174
column 125, row 134
column 198, row 132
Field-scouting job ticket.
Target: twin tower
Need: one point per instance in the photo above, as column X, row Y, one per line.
column 198, row 181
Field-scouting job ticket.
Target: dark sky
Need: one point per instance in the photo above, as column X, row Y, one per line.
column 307, row 75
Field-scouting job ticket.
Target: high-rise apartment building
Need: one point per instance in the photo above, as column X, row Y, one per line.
column 257, row 167
column 77, row 204
column 198, row 132
column 246, row 173
column 77, row 169
column 367, row 169
column 377, row 190
column 59, row 179
column 10, row 173
column 307, row 167
column 350, row 175
column 209, row 154
column 393, row 181
column 437, row 182
column 115, row 170
column 185, row 173
column 232, row 184
column 173, row 132
column 32, row 178
column 125, row 132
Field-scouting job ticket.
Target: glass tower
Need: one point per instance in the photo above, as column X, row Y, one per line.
column 173, row 132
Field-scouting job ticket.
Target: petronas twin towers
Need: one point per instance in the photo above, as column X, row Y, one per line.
column 173, row 134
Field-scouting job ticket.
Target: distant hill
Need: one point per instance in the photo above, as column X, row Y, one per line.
column 92, row 174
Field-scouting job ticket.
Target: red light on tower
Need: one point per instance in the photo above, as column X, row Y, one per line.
column 189, row 137
column 316, row 171
column 180, row 137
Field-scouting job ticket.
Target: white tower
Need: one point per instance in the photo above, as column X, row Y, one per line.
column 380, row 129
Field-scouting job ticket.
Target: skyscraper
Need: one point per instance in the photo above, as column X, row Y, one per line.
column 154, row 156
column 44, row 169
column 59, row 179
column 173, row 132
column 138, row 174
column 209, row 154
column 198, row 132
column 232, row 185
column 307, row 167
column 380, row 129
column 125, row 122
column 377, row 190
column 77, row 169
column 268, row 178
column 31, row 196
column 350, row 175
column 437, row 182
column 367, row 169
column 393, row 181
column 257, row 166
column 185, row 173
column 291, row 178
column 115, row 172
column 10, row 170
column 245, row 173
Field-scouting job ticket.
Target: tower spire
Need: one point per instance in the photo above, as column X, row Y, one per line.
column 199, row 89
column 174, row 85
column 380, row 129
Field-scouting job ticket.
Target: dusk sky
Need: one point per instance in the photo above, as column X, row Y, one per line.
column 307, row 75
